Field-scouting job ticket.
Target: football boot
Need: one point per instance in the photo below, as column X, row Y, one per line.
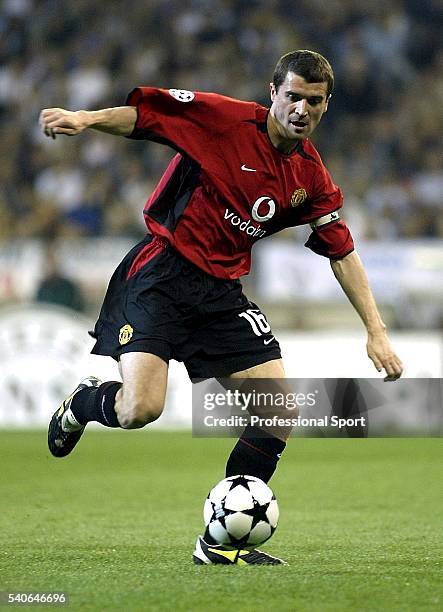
column 61, row 442
column 209, row 554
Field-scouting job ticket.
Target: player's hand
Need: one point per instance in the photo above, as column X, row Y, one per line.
column 382, row 355
column 55, row 121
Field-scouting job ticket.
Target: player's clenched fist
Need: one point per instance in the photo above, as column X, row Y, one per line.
column 60, row 121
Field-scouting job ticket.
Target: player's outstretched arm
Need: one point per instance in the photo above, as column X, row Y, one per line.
column 351, row 275
column 119, row 121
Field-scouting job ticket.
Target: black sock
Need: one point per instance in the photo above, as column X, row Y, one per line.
column 97, row 404
column 256, row 454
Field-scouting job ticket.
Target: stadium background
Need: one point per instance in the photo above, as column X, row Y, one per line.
column 70, row 208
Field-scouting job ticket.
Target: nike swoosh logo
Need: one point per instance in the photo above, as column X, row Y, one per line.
column 268, row 341
column 246, row 169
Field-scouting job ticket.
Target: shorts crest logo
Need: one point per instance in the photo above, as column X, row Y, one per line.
column 298, row 197
column 125, row 334
column 182, row 95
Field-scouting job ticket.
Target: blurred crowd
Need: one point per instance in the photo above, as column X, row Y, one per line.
column 381, row 137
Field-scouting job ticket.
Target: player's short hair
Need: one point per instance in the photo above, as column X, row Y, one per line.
column 310, row 65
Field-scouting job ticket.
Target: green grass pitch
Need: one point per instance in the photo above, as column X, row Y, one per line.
column 113, row 525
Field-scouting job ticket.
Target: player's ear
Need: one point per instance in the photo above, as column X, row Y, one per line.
column 327, row 102
column 272, row 91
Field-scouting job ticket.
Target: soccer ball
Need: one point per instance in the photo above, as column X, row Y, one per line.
column 241, row 511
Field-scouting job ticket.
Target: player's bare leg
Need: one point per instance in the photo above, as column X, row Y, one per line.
column 141, row 399
column 137, row 401
column 269, row 369
column 274, row 373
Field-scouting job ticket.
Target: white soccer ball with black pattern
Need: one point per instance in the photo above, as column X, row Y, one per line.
column 241, row 511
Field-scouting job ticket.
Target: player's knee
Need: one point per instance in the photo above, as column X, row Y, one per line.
column 139, row 413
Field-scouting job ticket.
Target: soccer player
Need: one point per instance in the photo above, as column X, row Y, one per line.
column 241, row 173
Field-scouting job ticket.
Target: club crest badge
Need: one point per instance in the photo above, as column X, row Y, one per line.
column 125, row 334
column 298, row 197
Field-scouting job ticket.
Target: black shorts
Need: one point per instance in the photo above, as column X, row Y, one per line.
column 158, row 302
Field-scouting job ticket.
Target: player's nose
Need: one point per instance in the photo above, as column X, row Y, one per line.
column 301, row 107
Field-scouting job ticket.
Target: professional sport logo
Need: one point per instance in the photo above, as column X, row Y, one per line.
column 182, row 95
column 298, row 197
column 125, row 334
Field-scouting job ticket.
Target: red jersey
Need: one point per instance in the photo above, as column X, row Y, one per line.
column 228, row 186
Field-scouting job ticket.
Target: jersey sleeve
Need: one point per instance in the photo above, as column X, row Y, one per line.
column 189, row 122
column 333, row 240
column 330, row 235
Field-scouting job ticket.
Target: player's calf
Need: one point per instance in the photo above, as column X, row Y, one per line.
column 142, row 397
column 136, row 412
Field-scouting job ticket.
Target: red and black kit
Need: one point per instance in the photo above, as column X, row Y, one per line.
column 173, row 309
column 226, row 188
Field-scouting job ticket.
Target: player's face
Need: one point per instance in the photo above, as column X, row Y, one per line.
column 297, row 108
